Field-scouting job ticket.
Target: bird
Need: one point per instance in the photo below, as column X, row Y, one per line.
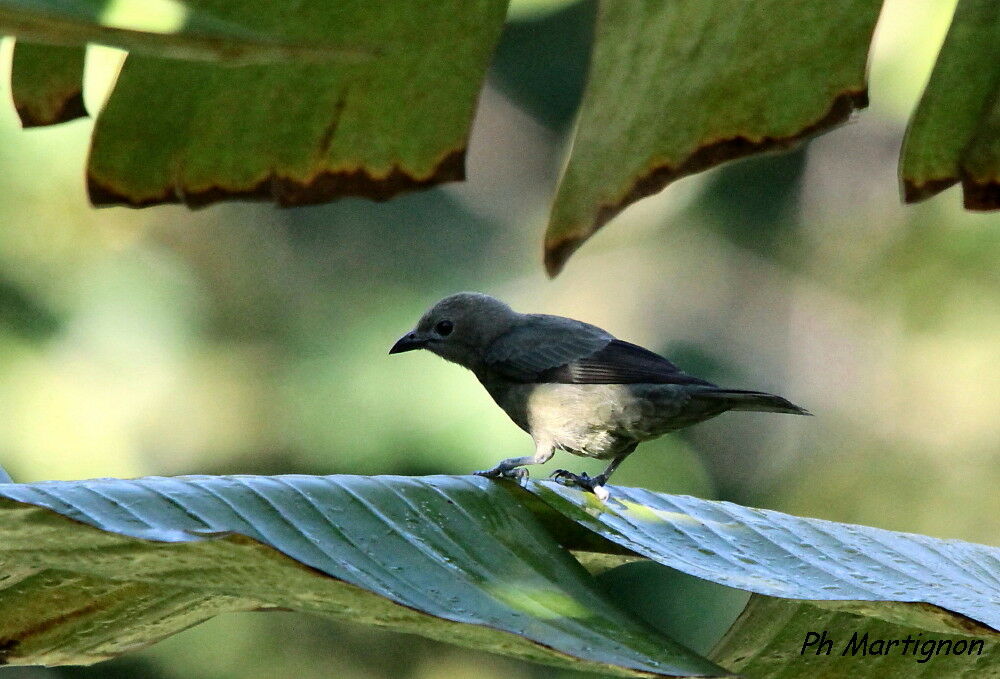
column 571, row 385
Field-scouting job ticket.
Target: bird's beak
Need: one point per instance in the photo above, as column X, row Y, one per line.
column 408, row 342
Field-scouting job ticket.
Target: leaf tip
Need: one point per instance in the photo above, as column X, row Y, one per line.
column 562, row 241
column 69, row 108
column 917, row 191
column 557, row 253
column 981, row 196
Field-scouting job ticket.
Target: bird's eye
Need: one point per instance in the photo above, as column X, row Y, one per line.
column 444, row 328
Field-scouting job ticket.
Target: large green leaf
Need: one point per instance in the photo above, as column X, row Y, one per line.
column 779, row 555
column 203, row 36
column 452, row 558
column 473, row 562
column 47, row 83
column 677, row 87
column 781, row 638
column 189, row 132
column 955, row 132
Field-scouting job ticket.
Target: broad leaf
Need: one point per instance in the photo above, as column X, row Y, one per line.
column 779, row 555
column 787, row 638
column 195, row 133
column 677, row 87
column 955, row 132
column 473, row 562
column 203, row 36
column 451, row 558
column 47, row 83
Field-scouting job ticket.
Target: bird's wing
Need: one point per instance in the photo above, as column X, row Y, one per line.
column 561, row 350
column 621, row 363
column 541, row 344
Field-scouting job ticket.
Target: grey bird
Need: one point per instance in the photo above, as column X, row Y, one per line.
column 571, row 385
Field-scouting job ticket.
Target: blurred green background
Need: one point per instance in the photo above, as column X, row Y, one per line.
column 246, row 339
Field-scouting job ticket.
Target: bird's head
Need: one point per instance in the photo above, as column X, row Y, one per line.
column 460, row 328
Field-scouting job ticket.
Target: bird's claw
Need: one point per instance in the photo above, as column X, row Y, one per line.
column 568, row 478
column 562, row 476
column 595, row 485
column 518, row 474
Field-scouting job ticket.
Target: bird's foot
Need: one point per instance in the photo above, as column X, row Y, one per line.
column 518, row 474
column 594, row 484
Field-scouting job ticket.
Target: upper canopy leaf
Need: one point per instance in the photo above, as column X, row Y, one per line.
column 176, row 131
column 354, row 99
column 47, row 83
column 954, row 134
column 677, row 87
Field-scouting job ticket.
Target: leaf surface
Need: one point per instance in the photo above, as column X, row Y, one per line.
column 954, row 134
column 469, row 561
column 47, row 83
column 677, row 87
column 771, row 640
column 944, row 585
column 451, row 558
column 195, row 133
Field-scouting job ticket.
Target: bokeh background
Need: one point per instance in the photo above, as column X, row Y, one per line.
column 246, row 339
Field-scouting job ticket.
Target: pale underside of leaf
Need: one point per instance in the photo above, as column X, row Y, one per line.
column 461, row 559
column 300, row 134
column 943, row 585
column 678, row 87
column 954, row 134
column 451, row 558
column 768, row 641
column 47, row 83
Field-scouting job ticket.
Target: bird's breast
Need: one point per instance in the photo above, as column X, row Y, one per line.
column 594, row 420
column 586, row 419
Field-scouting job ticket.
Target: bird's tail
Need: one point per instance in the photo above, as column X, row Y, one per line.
column 758, row 401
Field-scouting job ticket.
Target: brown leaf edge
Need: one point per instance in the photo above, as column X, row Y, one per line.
column 980, row 195
column 69, row 106
column 323, row 187
column 709, row 154
column 914, row 191
column 977, row 194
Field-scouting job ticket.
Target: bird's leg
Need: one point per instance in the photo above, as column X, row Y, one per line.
column 513, row 467
column 583, row 480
